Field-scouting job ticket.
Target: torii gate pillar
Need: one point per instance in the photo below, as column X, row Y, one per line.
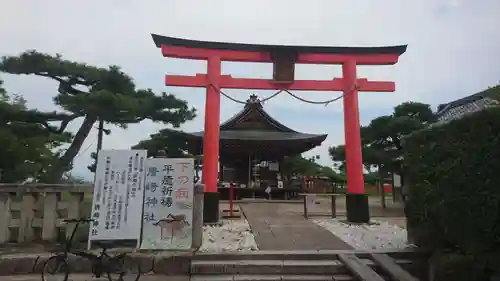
column 211, row 142
column 284, row 59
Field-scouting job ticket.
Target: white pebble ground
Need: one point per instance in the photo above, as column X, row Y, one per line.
column 378, row 235
column 231, row 236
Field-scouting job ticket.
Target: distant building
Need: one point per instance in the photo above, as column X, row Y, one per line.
column 468, row 105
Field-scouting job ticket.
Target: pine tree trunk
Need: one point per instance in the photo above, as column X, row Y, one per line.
column 64, row 163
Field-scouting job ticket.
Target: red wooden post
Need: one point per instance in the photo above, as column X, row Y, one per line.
column 354, row 159
column 356, row 200
column 231, row 199
column 211, row 140
column 212, row 119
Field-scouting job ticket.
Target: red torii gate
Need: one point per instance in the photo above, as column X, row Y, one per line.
column 284, row 59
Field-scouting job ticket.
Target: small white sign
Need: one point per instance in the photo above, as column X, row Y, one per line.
column 311, row 202
column 118, row 195
column 274, row 166
column 168, row 204
column 397, row 180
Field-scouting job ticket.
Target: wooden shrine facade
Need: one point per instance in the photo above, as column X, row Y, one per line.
column 252, row 148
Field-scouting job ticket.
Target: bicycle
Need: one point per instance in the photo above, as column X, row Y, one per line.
column 102, row 263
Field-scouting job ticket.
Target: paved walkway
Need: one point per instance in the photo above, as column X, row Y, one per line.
column 277, row 227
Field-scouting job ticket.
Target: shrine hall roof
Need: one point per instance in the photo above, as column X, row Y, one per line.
column 172, row 41
column 253, row 108
column 264, row 135
column 253, row 124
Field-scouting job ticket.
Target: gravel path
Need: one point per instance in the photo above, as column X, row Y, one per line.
column 378, row 235
column 231, row 236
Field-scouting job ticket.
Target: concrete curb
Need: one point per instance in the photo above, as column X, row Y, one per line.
column 307, row 254
column 186, row 263
column 149, row 264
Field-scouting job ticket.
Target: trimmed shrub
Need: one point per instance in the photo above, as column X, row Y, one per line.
column 458, row 267
column 453, row 177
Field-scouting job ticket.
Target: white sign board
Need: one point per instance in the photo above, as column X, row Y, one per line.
column 118, row 195
column 311, row 202
column 274, row 166
column 168, row 204
column 397, row 180
column 268, row 190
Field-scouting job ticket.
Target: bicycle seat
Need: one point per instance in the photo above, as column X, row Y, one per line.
column 80, row 220
column 106, row 244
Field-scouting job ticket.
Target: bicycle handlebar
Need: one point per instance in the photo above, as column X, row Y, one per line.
column 81, row 220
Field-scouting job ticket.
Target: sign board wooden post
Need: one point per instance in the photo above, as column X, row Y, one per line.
column 231, row 195
column 118, row 195
column 168, row 204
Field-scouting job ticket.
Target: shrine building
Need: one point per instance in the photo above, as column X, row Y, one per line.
column 253, row 146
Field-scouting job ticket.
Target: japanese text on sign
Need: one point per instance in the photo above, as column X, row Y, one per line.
column 168, row 204
column 118, row 196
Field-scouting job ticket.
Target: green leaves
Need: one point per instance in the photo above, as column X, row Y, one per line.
column 452, row 174
column 165, row 140
column 382, row 138
column 27, row 149
column 92, row 94
column 103, row 93
column 300, row 166
column 55, row 67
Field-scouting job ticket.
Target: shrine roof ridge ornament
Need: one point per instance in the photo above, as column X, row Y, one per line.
column 160, row 40
column 253, row 99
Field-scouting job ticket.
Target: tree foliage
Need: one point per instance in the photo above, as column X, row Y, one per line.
column 337, row 154
column 299, row 166
column 27, row 149
column 90, row 94
column 167, row 141
column 454, row 199
column 381, row 138
column 69, row 178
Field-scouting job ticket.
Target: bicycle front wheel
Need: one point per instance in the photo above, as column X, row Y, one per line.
column 123, row 268
column 55, row 269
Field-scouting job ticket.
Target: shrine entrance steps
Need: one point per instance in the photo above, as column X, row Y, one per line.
column 345, row 265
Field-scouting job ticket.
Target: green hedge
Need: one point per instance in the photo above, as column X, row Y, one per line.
column 453, row 177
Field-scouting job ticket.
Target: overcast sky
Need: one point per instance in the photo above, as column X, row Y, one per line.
column 453, row 51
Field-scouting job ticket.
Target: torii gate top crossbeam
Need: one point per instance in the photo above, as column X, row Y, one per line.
column 286, row 56
column 193, row 49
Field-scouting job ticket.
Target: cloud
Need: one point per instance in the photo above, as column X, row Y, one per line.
column 450, row 53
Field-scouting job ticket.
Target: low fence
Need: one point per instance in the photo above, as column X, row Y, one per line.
column 35, row 212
